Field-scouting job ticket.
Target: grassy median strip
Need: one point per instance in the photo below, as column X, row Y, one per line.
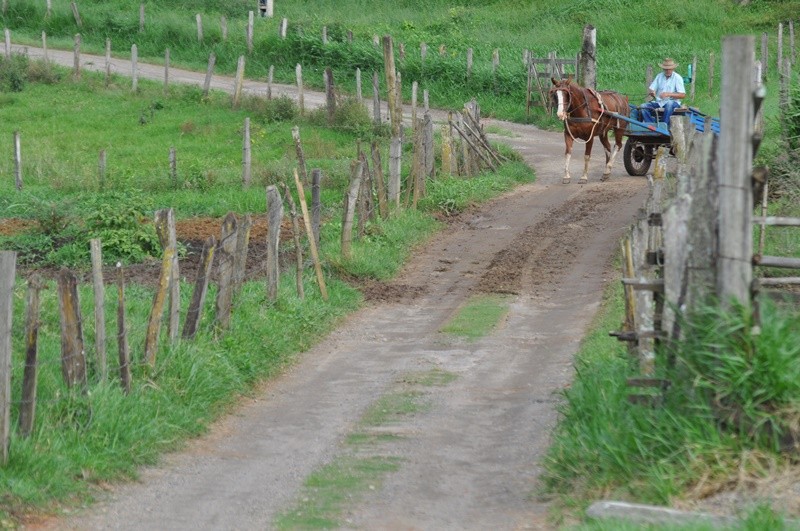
column 478, row 317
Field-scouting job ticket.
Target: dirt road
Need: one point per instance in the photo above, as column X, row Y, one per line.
column 470, row 458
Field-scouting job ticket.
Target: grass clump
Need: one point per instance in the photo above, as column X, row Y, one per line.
column 723, row 422
column 478, row 317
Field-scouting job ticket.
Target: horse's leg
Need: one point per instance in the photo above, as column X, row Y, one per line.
column 609, row 155
column 567, row 156
column 586, row 156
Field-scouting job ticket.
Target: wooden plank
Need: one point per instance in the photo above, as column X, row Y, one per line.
column 656, row 285
column 8, row 269
column 195, row 310
column 27, row 407
column 777, row 261
column 659, row 383
column 775, row 281
column 275, row 213
column 312, row 244
column 99, row 307
column 776, row 221
column 316, row 203
column 73, row 360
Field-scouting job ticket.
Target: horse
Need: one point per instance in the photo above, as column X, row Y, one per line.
column 585, row 113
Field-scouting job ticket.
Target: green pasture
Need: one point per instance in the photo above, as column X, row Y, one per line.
column 629, row 37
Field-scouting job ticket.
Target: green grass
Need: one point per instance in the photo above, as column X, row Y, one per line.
column 731, row 394
column 333, row 487
column 478, row 317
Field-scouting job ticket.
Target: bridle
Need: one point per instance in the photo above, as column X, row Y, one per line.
column 568, row 110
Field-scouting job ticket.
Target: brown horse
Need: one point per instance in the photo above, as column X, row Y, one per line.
column 585, row 113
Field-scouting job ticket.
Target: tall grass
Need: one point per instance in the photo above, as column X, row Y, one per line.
column 731, row 408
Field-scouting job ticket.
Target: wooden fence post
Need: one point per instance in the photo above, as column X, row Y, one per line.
column 44, row 47
column 76, row 57
column 376, row 100
column 73, row 355
column 734, row 265
column 298, row 71
column 312, row 244
column 391, row 83
column 350, row 199
column 237, row 91
column 275, row 213
column 710, row 73
column 223, row 27
column 395, row 162
column 270, row 8
column 76, row 14
column 359, row 92
column 324, row 35
column 141, row 18
column 27, row 407
column 122, row 334
column 134, row 68
column 316, row 203
column 588, row 66
column 8, row 268
column 780, row 48
column 246, row 156
column 242, row 246
column 469, row 62
column 7, row 34
column 49, row 10
column 199, row 20
column 414, row 90
column 765, row 54
column 284, row 27
column 250, row 20
column 157, row 311
column 173, row 167
column 195, row 310
column 17, row 161
column 166, row 230
column 270, row 77
column 108, row 62
column 301, row 159
column 212, row 59
column 166, row 71
column 226, row 257
column 99, row 307
column 298, row 249
column 330, row 95
column 377, row 167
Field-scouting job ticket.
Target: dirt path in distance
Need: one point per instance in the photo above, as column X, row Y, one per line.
column 470, row 460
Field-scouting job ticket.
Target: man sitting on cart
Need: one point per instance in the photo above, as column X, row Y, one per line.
column 668, row 90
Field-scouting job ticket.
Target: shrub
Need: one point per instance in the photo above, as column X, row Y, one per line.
column 13, row 73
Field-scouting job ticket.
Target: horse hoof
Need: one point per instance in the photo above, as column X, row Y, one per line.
column 584, row 180
column 605, row 177
column 565, row 180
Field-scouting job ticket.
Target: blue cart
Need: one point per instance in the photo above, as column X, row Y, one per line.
column 644, row 138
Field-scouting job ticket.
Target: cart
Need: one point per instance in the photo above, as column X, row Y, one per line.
column 644, row 138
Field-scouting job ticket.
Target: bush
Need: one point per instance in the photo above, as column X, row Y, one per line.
column 280, row 109
column 13, row 73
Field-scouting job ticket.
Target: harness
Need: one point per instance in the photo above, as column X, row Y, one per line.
column 584, row 119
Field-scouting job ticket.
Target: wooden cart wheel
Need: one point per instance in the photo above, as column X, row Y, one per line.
column 637, row 157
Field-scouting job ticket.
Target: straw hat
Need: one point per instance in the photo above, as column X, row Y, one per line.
column 668, row 64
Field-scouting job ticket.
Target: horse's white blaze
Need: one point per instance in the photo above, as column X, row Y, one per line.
column 561, row 112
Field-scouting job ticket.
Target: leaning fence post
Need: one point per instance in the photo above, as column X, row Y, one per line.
column 27, row 407
column 200, row 288
column 298, row 249
column 76, row 14
column 73, row 355
column 157, row 311
column 212, row 59
column 316, row 203
column 587, row 69
column 8, row 268
column 735, row 159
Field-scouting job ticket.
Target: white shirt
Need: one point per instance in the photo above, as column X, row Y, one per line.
column 662, row 83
